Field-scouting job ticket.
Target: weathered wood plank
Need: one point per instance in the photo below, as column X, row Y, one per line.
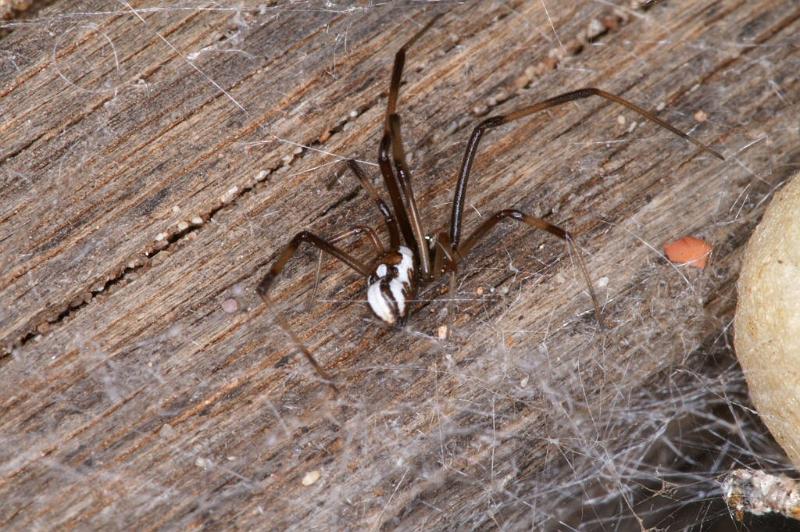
column 134, row 202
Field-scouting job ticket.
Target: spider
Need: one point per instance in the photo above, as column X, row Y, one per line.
column 394, row 274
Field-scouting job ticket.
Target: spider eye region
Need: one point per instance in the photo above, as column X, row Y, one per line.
column 391, row 285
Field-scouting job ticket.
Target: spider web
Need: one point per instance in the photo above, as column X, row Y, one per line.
column 534, row 416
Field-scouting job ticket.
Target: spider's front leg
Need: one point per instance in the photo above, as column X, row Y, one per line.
column 278, row 266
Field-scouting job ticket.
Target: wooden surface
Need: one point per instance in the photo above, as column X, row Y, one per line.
column 135, row 209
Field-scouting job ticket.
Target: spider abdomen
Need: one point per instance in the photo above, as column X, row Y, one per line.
column 391, row 286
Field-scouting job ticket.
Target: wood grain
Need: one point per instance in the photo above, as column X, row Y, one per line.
column 155, row 160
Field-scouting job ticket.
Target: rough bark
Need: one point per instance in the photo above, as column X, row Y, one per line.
column 155, row 161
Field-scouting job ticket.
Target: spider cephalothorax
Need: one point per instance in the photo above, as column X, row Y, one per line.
column 392, row 276
column 391, row 286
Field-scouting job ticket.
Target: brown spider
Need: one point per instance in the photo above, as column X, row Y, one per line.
column 394, row 274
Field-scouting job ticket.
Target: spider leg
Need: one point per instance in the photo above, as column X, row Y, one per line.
column 536, row 223
column 388, row 217
column 278, row 266
column 397, row 69
column 393, row 187
column 407, row 211
column 384, row 161
column 498, row 120
column 358, row 230
column 404, row 177
column 442, row 255
column 445, row 260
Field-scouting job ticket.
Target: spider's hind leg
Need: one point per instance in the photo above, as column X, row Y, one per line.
column 536, row 223
column 275, row 270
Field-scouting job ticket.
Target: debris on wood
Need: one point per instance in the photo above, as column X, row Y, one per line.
column 311, row 477
column 689, row 251
column 760, row 493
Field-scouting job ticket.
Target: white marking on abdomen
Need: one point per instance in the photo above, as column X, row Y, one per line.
column 396, row 288
column 406, row 265
column 393, row 305
column 379, row 304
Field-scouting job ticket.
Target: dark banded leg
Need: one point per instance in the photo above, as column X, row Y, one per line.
column 359, row 231
column 536, row 223
column 388, row 217
column 397, row 69
column 445, row 261
column 278, row 266
column 499, row 120
column 406, row 210
column 444, row 256
column 404, row 177
column 393, row 187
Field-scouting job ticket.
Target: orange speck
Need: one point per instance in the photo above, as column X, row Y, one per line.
column 688, row 250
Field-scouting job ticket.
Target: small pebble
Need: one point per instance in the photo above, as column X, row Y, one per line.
column 479, row 291
column 161, row 236
column 197, row 220
column 480, row 109
column 621, row 120
column 166, row 431
column 441, row 332
column 183, row 225
column 262, row 175
column 230, row 305
column 700, row 116
column 230, row 194
column 602, row 282
column 595, row 29
column 311, row 477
